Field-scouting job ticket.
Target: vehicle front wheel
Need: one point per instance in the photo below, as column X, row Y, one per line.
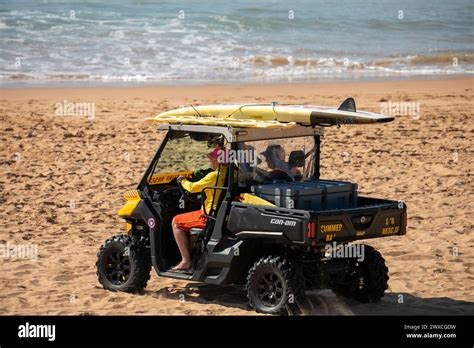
column 123, row 265
column 273, row 286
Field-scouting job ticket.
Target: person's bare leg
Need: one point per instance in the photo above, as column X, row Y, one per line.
column 182, row 239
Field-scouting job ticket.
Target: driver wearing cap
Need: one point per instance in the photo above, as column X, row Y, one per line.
column 182, row 223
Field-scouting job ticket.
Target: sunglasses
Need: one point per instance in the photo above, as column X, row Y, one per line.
column 212, row 143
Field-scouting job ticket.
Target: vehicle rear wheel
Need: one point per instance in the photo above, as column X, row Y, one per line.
column 367, row 280
column 123, row 265
column 273, row 285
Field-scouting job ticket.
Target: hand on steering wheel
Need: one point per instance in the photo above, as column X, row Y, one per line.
column 184, row 193
column 179, row 179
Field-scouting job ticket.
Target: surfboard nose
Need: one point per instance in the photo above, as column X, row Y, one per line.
column 385, row 119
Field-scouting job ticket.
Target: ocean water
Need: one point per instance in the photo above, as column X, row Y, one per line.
column 188, row 42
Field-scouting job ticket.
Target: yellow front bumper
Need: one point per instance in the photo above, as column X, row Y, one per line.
column 128, row 208
column 132, row 198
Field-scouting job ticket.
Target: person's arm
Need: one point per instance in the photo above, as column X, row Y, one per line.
column 195, row 187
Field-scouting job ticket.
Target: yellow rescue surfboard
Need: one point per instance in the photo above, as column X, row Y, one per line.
column 270, row 115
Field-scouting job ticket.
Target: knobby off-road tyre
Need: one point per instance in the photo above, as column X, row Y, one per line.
column 274, row 286
column 123, row 265
column 368, row 280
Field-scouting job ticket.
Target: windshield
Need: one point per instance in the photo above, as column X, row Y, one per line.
column 276, row 160
column 183, row 154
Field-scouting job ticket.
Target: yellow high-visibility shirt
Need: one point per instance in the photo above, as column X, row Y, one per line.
column 210, row 179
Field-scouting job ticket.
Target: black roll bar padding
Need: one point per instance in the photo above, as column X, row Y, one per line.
column 214, row 193
column 202, row 199
column 217, row 180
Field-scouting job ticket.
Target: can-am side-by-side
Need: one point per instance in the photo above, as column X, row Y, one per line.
column 270, row 223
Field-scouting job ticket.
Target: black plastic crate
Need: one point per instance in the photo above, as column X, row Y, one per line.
column 309, row 195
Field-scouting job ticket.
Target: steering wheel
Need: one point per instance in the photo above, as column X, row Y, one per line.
column 186, row 195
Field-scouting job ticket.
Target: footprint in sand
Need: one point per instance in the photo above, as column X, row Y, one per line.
column 64, row 277
column 23, row 301
column 100, row 294
column 26, row 266
column 117, row 299
column 22, row 273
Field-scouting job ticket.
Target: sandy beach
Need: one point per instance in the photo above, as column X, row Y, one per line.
column 63, row 177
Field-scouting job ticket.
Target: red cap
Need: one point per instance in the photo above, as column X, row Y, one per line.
column 216, row 153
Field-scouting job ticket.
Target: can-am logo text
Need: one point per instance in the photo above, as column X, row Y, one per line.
column 283, row 222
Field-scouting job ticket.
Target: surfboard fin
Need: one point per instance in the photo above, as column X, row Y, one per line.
column 348, row 105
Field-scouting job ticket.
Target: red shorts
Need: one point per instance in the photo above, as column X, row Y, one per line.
column 193, row 219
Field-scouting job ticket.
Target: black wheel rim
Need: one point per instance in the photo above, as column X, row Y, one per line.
column 117, row 267
column 270, row 289
column 358, row 278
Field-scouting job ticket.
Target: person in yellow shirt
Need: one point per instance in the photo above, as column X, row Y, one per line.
column 182, row 223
